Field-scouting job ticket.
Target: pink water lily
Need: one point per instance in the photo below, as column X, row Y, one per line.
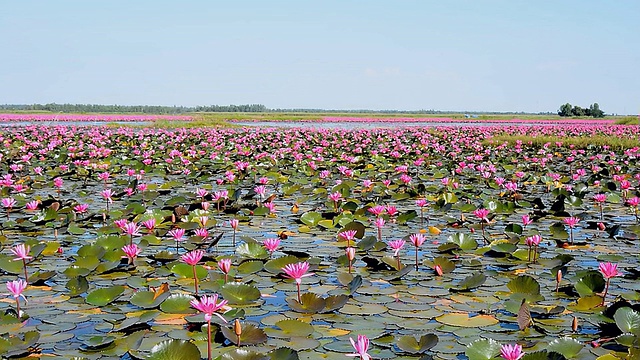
column 209, row 305
column 511, row 352
column 131, row 251
column 571, row 222
column 193, row 258
column 361, row 346
column 297, row 271
column 21, row 251
column 609, row 271
column 417, row 240
column 271, row 245
column 16, row 287
column 225, row 266
column 348, row 235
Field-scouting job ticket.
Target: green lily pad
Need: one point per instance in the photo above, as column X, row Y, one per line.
column 566, row 346
column 470, row 282
column 242, row 354
column 628, row 320
column 463, row 320
column 77, row 285
column 411, row 345
column 251, row 334
column 590, row 283
column 311, row 218
column 145, row 300
column 174, row 350
column 275, row 266
column 524, row 284
column 252, row 250
column 237, row 293
column 483, row 349
column 178, row 304
column 186, row 271
column 464, row 241
column 104, row 296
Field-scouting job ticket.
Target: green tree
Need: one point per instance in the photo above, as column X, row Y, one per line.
column 565, row 110
column 595, row 111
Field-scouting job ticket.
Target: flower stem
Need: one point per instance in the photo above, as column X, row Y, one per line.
column 209, row 340
column 24, row 263
column 606, row 289
column 416, row 258
column 299, row 298
column 195, row 279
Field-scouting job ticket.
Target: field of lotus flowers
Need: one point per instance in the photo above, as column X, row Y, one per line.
column 49, row 117
column 264, row 243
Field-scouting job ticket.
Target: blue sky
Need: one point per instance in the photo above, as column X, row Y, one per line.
column 484, row 55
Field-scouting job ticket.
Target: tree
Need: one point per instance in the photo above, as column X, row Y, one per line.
column 565, row 110
column 577, row 111
column 595, row 111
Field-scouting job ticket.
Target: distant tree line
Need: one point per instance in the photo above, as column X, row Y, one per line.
column 575, row 110
column 248, row 108
column 144, row 109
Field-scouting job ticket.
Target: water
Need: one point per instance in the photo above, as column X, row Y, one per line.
column 73, row 123
column 376, row 124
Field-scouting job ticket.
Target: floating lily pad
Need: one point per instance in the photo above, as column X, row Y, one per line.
column 237, row 293
column 104, row 296
column 174, row 350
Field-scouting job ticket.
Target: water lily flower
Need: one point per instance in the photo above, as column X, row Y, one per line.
column 81, row 208
column 131, row 251
column 8, row 204
column 417, row 240
column 379, row 222
column 348, row 235
column 571, row 222
column 225, row 266
column 511, row 352
column 150, row 224
column 271, row 245
column 526, row 220
column 16, row 287
column 21, row 251
column 377, row 210
column 297, row 271
column 608, row 270
column 193, row 258
column 351, row 255
column 32, row 205
column 361, row 346
column 209, row 305
column 177, row 235
column 533, row 242
column 234, row 225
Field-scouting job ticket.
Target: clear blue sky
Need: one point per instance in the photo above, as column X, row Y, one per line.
column 484, row 55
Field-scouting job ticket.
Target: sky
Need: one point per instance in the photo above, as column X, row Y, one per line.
column 489, row 55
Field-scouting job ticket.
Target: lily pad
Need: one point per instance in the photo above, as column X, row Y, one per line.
column 104, row 296
column 174, row 350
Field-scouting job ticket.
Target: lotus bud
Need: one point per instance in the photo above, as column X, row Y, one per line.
column 574, row 324
column 237, row 328
column 438, row 270
column 173, row 218
column 558, row 279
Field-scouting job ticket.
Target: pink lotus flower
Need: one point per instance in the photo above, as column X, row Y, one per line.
column 120, row 223
column 58, row 182
column 511, row 352
column 600, row 198
column 225, row 266
column 131, row 251
column 131, row 228
column 81, row 208
column 482, row 214
column 209, row 305
column 438, row 270
column 571, row 221
column 150, row 224
column 297, row 271
column 193, row 257
column 8, row 203
column 32, row 205
column 526, row 220
column 348, row 235
column 377, row 210
column 234, row 225
column 177, row 234
column 201, row 192
column 392, row 210
column 271, row 244
column 108, row 195
column 417, row 240
column 396, row 246
column 21, row 251
column 202, row 232
column 361, row 346
column 16, row 287
column 609, row 271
